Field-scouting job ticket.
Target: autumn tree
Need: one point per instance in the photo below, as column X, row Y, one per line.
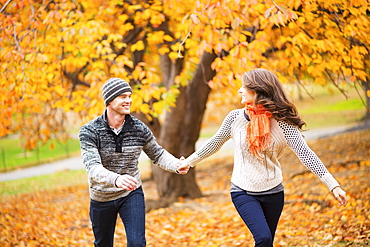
column 55, row 56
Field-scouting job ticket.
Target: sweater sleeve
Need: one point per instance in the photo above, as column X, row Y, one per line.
column 159, row 155
column 215, row 143
column 91, row 158
column 304, row 153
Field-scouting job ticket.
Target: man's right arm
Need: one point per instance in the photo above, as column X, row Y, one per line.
column 92, row 160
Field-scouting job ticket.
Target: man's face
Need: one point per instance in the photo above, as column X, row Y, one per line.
column 121, row 104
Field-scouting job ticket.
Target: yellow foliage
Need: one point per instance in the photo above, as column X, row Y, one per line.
column 163, row 50
column 159, row 107
column 67, row 49
column 144, row 108
column 139, row 46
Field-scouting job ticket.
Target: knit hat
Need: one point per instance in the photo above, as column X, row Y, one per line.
column 114, row 87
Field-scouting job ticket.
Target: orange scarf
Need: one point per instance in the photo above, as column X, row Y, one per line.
column 258, row 129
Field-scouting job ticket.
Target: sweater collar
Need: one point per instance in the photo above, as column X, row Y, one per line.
column 246, row 115
column 128, row 120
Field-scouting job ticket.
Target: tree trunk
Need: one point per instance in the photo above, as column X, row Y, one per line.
column 153, row 125
column 181, row 129
column 169, row 185
column 197, row 97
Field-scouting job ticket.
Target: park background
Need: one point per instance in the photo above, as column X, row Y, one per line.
column 184, row 61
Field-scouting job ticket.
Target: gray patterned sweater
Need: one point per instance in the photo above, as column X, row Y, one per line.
column 107, row 155
column 255, row 175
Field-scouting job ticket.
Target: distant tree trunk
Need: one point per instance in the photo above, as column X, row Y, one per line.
column 299, row 89
column 367, row 95
column 181, row 127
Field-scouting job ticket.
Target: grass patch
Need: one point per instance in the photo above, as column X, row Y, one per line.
column 43, row 182
column 329, row 107
column 349, row 105
column 13, row 156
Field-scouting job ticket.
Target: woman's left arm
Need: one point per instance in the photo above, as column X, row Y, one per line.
column 308, row 158
column 215, row 143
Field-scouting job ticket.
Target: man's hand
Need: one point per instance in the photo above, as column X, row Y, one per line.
column 182, row 166
column 127, row 182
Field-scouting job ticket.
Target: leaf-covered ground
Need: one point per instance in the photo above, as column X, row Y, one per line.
column 311, row 216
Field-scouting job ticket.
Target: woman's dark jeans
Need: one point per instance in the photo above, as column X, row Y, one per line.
column 131, row 209
column 260, row 213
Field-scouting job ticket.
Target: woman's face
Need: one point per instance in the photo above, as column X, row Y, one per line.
column 248, row 96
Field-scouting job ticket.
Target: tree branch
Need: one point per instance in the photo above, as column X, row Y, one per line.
column 335, row 84
column 5, row 5
column 73, row 77
column 304, row 88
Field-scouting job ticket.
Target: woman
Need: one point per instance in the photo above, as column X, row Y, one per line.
column 267, row 124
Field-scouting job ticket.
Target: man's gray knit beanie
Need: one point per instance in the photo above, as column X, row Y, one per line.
column 114, row 87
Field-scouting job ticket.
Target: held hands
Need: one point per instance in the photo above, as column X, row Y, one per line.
column 340, row 195
column 182, row 166
column 127, row 182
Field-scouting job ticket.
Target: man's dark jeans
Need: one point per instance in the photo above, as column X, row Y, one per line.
column 131, row 209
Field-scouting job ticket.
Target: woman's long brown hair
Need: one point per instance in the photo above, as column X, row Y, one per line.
column 271, row 95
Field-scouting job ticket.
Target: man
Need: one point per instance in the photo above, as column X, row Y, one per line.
column 110, row 146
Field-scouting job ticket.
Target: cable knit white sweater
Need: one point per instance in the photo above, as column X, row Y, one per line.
column 252, row 174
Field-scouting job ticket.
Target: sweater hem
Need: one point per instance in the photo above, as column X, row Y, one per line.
column 251, row 186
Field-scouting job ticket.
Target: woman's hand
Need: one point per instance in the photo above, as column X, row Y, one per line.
column 340, row 195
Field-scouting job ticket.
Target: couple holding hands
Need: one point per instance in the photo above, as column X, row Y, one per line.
column 111, row 145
